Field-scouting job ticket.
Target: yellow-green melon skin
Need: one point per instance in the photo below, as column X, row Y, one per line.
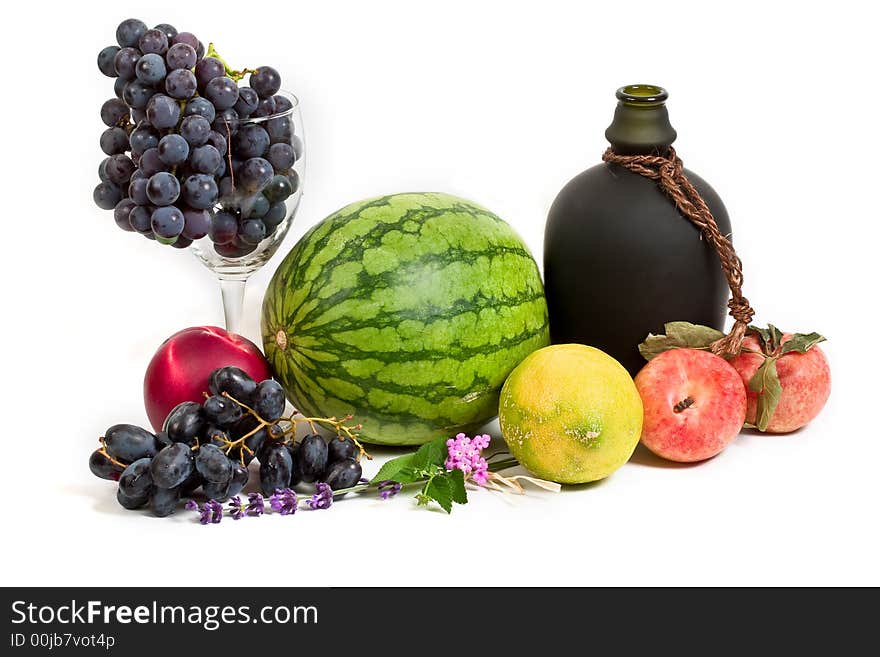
column 570, row 413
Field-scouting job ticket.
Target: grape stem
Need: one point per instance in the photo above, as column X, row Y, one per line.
column 230, row 72
column 103, row 451
column 338, row 425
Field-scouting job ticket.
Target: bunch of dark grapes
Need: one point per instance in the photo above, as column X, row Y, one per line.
column 210, row 446
column 189, row 152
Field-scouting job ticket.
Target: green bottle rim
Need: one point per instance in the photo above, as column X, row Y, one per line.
column 642, row 95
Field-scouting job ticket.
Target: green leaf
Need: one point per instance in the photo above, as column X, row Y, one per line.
column 410, row 467
column 439, row 490
column 775, row 337
column 432, row 453
column 678, row 335
column 399, row 469
column 766, row 383
column 801, row 342
column 456, row 486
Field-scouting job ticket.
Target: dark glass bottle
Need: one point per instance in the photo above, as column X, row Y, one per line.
column 619, row 259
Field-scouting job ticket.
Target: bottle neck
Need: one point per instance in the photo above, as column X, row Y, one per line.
column 641, row 122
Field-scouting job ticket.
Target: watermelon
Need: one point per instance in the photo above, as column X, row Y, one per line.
column 408, row 312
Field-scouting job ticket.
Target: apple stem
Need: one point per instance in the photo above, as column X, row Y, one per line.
column 687, row 402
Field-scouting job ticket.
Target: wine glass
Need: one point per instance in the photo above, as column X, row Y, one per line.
column 234, row 262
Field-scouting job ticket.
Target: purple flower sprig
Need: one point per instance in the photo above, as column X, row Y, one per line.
column 284, row 502
column 323, row 497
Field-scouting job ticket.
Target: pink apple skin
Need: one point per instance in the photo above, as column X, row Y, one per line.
column 698, row 430
column 805, row 380
column 180, row 368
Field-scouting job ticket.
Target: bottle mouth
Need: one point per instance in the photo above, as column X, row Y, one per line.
column 642, row 94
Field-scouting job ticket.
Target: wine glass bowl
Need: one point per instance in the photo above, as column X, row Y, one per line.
column 256, row 204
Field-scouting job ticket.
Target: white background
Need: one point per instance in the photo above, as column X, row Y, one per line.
column 501, row 103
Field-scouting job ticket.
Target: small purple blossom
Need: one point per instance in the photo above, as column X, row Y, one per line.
column 214, row 510
column 283, row 501
column 465, row 454
column 323, row 497
column 388, row 488
column 256, row 505
column 191, row 505
column 235, row 508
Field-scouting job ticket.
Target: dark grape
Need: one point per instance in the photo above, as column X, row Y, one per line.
column 282, row 104
column 181, row 242
column 173, row 149
column 226, row 122
column 188, row 38
column 136, row 479
column 255, row 174
column 312, row 458
column 195, row 129
column 281, row 156
column 102, row 170
column 114, row 141
column 252, row 231
column 150, row 69
column 105, row 61
column 180, row 56
column 103, row 466
column 107, row 195
column 130, row 31
column 119, row 169
column 222, row 92
column 185, row 422
column 163, row 189
column 226, row 187
column 276, row 467
column 205, row 159
column 200, row 191
column 280, row 129
column 218, row 490
column 172, row 465
column 343, row 474
column 131, row 502
column 153, row 42
column 251, row 141
column 196, row 223
column 296, row 473
column 233, row 381
column 265, row 108
column 163, row 112
column 234, row 249
column 341, row 448
column 206, row 70
column 278, row 189
column 293, row 177
column 224, row 228
column 269, row 399
column 240, row 478
column 137, row 95
column 274, row 216
column 162, row 439
column 119, row 86
column 125, row 62
column 141, row 219
column 192, row 482
column 122, row 212
column 221, row 410
column 113, row 112
column 248, row 101
column 150, row 162
column 168, row 30
column 255, row 207
column 143, row 138
column 180, row 84
column 163, row 501
column 127, row 442
column 218, row 141
column 213, row 464
column 167, row 223
column 266, row 81
column 200, row 107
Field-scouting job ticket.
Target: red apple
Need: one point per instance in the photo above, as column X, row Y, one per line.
column 694, row 402
column 805, row 379
column 179, row 370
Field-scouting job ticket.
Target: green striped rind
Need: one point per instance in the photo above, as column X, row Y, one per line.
column 407, row 311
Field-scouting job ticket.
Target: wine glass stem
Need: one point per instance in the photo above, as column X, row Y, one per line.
column 232, row 291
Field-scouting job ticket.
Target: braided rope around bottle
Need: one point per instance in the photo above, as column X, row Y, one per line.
column 670, row 177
